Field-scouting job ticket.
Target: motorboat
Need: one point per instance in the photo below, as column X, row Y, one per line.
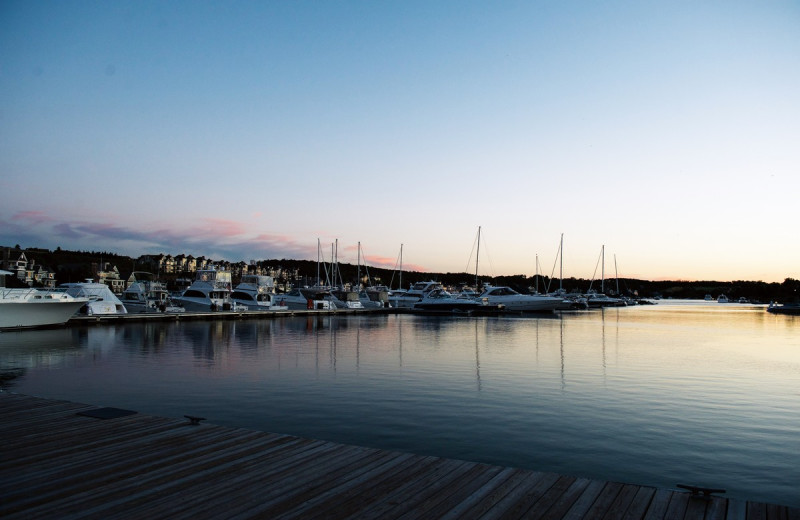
column 31, row 308
column 399, row 298
column 569, row 301
column 101, row 301
column 722, row 299
column 146, row 294
column 376, row 297
column 344, row 299
column 210, row 291
column 594, row 299
column 516, row 302
column 786, row 308
column 300, row 298
column 256, row 292
column 415, row 293
column 441, row 301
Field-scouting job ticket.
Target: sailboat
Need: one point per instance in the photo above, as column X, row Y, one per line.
column 595, row 299
column 402, row 298
column 569, row 302
column 371, row 296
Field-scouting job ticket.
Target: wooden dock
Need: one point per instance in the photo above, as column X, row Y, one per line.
column 58, row 463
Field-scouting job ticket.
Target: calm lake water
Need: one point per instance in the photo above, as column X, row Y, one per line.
column 680, row 392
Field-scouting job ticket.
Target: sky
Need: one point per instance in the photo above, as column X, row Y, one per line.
column 665, row 134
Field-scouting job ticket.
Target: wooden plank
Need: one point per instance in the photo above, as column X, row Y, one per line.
column 737, row 509
column 422, row 493
column 541, row 491
column 441, row 498
column 80, row 468
column 776, row 512
column 640, row 503
column 376, row 490
column 278, row 495
column 696, row 508
column 621, row 503
column 585, row 500
column 567, row 499
column 657, row 510
column 716, row 509
column 476, row 496
column 678, row 503
column 498, row 494
column 604, row 501
column 756, row 511
column 229, row 463
column 109, row 488
column 346, row 488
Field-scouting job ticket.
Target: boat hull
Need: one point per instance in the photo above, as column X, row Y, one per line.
column 41, row 313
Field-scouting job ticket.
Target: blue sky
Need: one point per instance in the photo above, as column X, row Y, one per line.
column 667, row 132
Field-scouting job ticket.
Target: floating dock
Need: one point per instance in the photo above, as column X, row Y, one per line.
column 68, row 460
column 111, row 319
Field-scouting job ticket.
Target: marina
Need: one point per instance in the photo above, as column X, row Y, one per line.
column 74, row 460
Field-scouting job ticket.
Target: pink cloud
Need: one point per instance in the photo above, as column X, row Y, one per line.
column 34, row 217
column 224, row 228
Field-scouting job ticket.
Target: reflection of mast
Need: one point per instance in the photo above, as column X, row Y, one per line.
column 400, row 337
column 477, row 358
column 603, row 330
column 563, row 383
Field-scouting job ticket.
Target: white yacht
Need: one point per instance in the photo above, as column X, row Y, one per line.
column 306, row 298
column 595, row 299
column 146, row 294
column 516, row 302
column 441, row 301
column 30, row 308
column 345, row 299
column 102, row 302
column 399, row 298
column 375, row 297
column 257, row 293
column 210, row 291
column 407, row 299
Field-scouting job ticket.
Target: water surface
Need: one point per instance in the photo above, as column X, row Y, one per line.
column 680, row 392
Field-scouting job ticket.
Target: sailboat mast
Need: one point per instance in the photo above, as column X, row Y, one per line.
column 358, row 269
column 319, row 249
column 401, row 266
column 616, row 273
column 603, row 268
column 561, row 266
column 477, row 256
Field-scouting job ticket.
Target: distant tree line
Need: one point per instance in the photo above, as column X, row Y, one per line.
column 74, row 266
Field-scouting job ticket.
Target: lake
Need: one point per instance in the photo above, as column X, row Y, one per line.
column 680, row 392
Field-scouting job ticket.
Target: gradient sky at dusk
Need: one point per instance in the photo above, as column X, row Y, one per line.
column 667, row 131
